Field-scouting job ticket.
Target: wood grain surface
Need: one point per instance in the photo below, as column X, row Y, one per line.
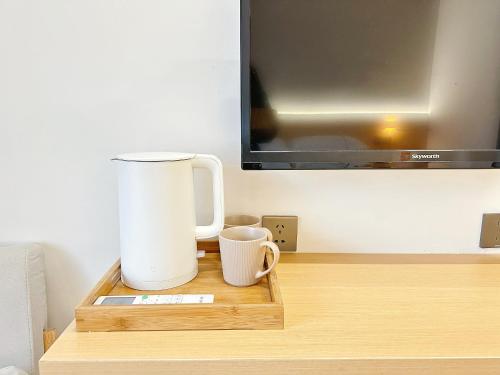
column 344, row 314
column 256, row 307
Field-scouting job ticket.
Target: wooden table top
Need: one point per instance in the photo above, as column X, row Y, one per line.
column 354, row 314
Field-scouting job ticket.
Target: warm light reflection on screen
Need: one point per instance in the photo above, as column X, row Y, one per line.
column 351, row 113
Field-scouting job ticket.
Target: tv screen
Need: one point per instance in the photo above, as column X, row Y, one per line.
column 370, row 84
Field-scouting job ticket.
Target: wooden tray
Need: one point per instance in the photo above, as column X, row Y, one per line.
column 255, row 307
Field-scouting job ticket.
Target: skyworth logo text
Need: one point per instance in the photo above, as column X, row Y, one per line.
column 424, row 156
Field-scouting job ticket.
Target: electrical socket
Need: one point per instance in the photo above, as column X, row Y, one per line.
column 490, row 231
column 284, row 230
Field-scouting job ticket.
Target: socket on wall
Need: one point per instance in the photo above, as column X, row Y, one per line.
column 490, row 231
column 284, row 230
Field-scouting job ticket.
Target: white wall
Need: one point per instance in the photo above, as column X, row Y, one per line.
column 81, row 81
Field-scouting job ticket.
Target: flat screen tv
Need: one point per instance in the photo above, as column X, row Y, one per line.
column 329, row 84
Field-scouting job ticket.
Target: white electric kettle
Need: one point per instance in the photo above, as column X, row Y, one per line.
column 158, row 229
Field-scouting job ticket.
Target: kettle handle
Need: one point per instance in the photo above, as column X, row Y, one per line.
column 213, row 164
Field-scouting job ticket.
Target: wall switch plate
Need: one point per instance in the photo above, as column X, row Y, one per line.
column 284, row 230
column 490, row 231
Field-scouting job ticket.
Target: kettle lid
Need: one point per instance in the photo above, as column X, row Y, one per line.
column 155, row 156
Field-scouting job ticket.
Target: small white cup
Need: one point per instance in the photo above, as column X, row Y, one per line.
column 241, row 221
column 242, row 251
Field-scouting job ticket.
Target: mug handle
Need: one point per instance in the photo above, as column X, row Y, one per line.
column 276, row 258
column 269, row 234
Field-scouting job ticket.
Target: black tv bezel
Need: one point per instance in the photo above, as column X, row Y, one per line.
column 363, row 159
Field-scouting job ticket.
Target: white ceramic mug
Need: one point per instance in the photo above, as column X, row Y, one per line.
column 242, row 251
column 241, row 221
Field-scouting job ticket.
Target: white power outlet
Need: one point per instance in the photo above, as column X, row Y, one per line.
column 284, row 230
column 490, row 231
